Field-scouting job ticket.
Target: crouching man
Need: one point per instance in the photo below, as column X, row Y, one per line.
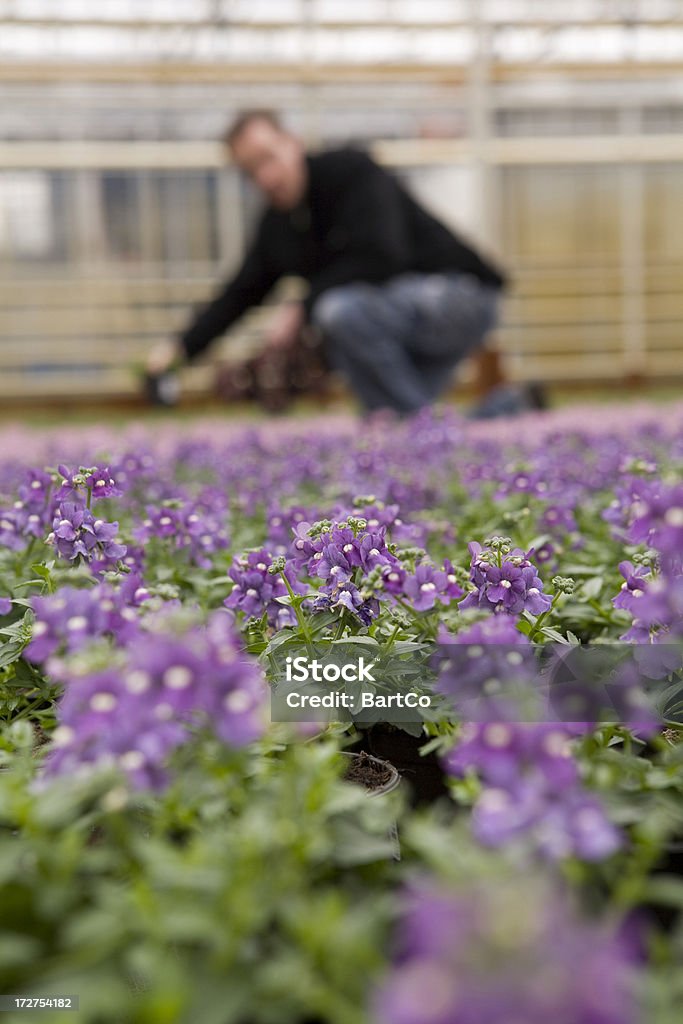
column 398, row 298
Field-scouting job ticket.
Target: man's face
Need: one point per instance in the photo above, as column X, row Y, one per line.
column 275, row 162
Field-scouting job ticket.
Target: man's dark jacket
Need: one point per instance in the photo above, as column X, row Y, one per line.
column 357, row 223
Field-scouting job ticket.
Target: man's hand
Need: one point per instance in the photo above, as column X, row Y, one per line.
column 164, row 356
column 161, row 383
column 285, row 325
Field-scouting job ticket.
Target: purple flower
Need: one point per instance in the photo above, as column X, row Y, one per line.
column 336, row 566
column 532, row 790
column 660, row 610
column 5, row 605
column 304, row 548
column 281, row 523
column 35, row 489
column 346, row 559
column 502, row 952
column 559, row 520
column 505, row 752
column 513, row 586
column 67, row 621
column 574, row 825
column 547, row 554
column 658, row 520
column 257, row 590
column 393, row 579
column 30, row 515
column 197, row 527
column 134, row 715
column 349, row 597
column 77, row 534
column 428, row 585
column 98, row 480
column 633, row 587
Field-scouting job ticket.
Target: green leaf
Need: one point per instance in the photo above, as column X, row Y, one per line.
column 592, row 588
column 10, row 653
column 667, row 889
column 579, row 570
column 363, row 641
column 41, row 570
column 552, row 634
column 402, row 646
column 283, row 637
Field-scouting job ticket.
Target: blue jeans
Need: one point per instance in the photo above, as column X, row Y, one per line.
column 398, row 342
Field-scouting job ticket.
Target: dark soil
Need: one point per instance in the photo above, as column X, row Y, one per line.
column 424, row 776
column 368, row 772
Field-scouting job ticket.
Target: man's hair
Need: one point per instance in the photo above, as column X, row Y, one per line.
column 244, row 119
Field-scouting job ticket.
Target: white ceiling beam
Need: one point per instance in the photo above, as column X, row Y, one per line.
column 565, row 150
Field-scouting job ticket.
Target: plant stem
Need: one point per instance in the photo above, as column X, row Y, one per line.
column 341, row 626
column 300, row 617
column 390, row 641
column 541, row 618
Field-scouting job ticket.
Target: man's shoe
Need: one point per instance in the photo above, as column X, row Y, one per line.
column 510, row 400
column 536, row 395
column 162, row 388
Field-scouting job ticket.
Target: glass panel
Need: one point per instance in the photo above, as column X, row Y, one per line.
column 562, row 215
column 35, row 207
column 664, row 213
column 121, row 216
column 160, row 216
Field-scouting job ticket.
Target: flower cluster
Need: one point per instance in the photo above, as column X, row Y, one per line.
column 658, row 522
column 532, row 790
column 358, row 566
column 257, row 590
column 350, row 559
column 427, row 585
column 377, row 513
column 629, row 494
column 488, row 671
column 69, row 620
column 503, row 952
column 76, row 535
column 636, row 582
column 148, row 682
column 653, row 588
column 281, row 523
column 195, row 526
column 96, row 481
column 133, row 715
column 30, row 515
column 505, row 580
